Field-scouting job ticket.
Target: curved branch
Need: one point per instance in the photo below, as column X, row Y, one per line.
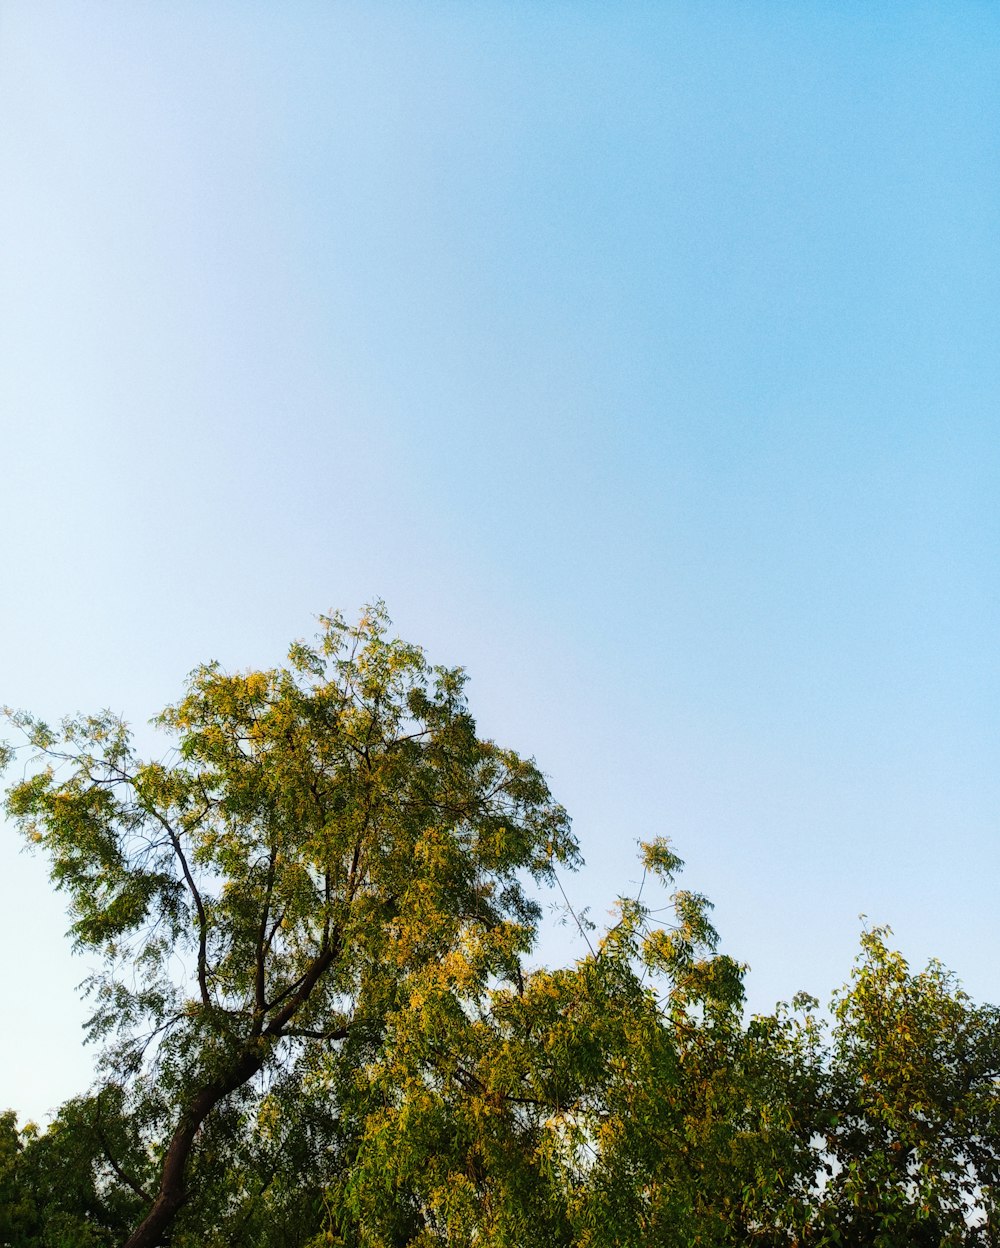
column 196, row 898
column 102, row 1139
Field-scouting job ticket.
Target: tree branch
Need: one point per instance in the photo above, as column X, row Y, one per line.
column 263, row 941
column 106, row 1146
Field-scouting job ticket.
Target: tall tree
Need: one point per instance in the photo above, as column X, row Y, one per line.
column 267, row 898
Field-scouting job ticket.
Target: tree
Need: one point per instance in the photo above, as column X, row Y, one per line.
column 621, row 1101
column 912, row 1110
column 311, row 918
column 678, row 1121
column 17, row 1209
column 266, row 900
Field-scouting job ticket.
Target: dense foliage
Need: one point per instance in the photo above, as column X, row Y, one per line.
column 318, row 1027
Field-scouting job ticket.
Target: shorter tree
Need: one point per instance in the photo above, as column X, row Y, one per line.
column 912, row 1114
column 686, row 1128
column 18, row 1211
column 619, row 1102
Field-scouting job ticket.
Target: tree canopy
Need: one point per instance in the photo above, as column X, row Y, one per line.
column 313, row 916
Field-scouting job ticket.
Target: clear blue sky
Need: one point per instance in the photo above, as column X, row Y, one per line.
column 643, row 357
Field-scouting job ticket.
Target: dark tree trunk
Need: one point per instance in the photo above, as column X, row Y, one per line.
column 172, row 1192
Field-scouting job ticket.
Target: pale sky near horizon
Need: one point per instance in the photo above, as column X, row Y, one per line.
column 642, row 357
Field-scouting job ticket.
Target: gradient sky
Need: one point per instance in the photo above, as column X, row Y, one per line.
column 642, row 357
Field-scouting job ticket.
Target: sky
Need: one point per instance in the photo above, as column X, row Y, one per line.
column 642, row 358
